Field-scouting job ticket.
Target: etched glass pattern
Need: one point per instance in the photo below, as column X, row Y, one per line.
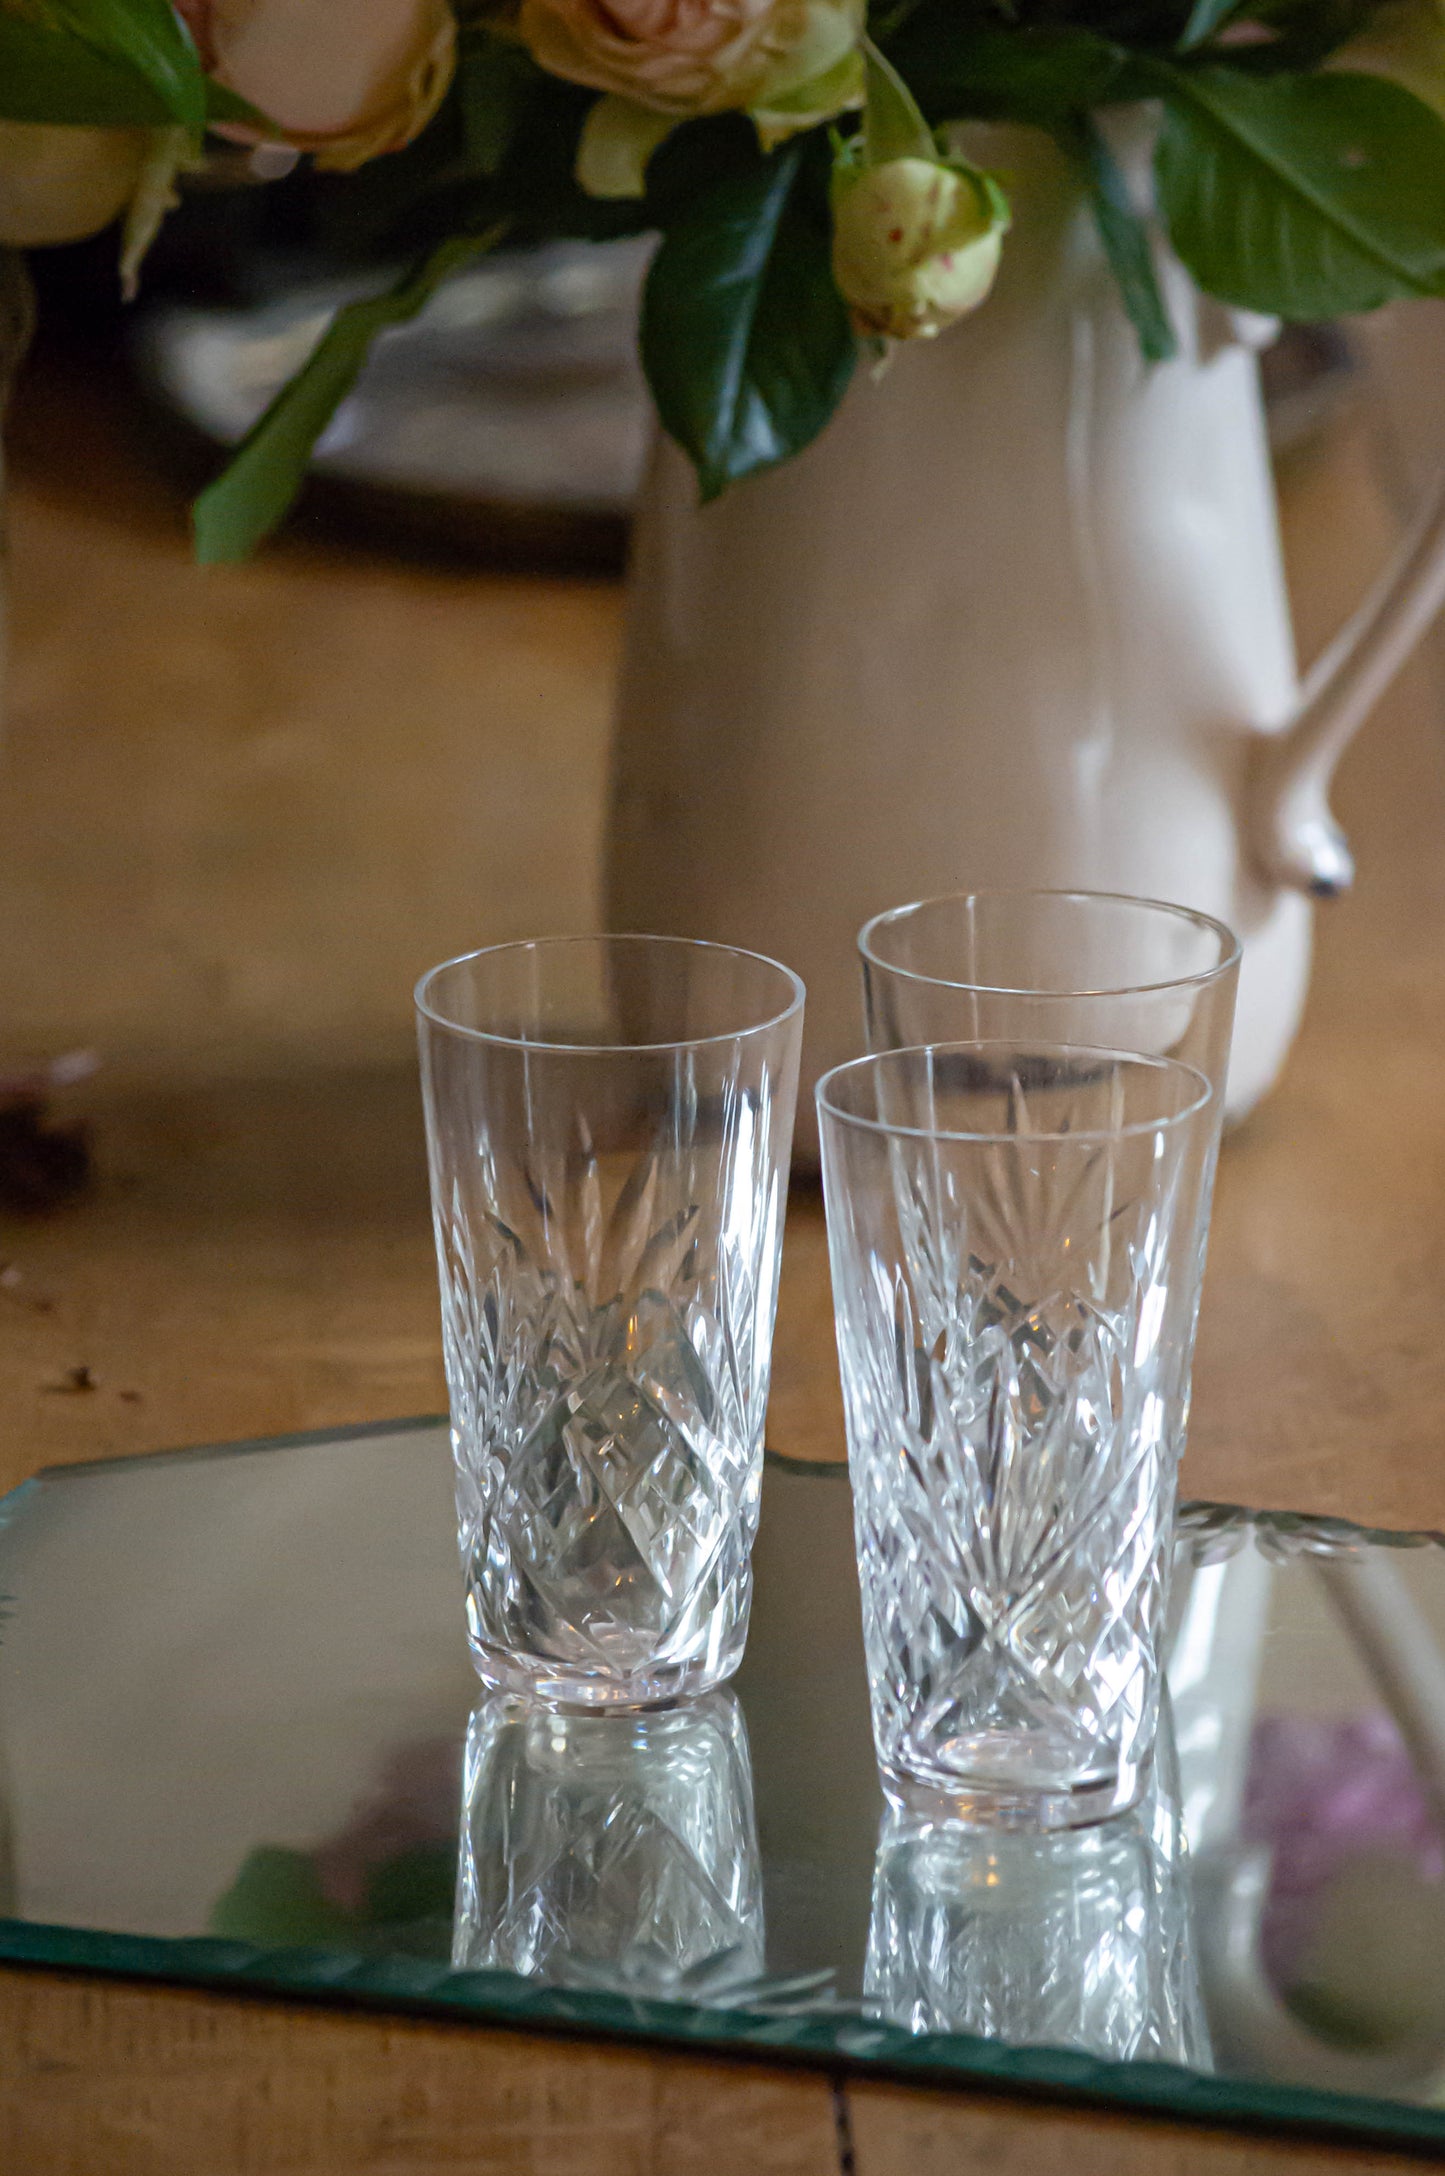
column 1080, row 1939
column 609, row 1224
column 1017, row 1244
column 614, row 1851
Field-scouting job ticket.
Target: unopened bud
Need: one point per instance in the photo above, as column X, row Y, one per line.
column 916, row 243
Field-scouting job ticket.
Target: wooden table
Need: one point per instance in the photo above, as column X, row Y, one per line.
column 239, row 811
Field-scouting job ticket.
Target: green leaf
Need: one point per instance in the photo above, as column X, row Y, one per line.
column 248, row 499
column 958, row 71
column 414, row 1887
column 223, row 106
column 1125, row 237
column 48, row 74
column 404, row 204
column 150, row 38
column 1302, row 196
column 893, row 127
column 494, row 79
column 745, row 339
column 277, row 1900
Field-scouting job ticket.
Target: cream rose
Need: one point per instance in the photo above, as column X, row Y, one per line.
column 686, row 57
column 344, row 79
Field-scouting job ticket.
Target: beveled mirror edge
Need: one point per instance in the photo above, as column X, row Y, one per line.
column 847, row 2042
column 852, row 2045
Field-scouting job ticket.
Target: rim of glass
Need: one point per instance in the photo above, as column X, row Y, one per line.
column 875, row 1059
column 597, row 939
column 1230, row 947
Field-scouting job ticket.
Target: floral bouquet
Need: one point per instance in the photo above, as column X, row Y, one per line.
column 803, row 162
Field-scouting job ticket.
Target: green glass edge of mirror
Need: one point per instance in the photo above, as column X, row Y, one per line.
column 852, row 2043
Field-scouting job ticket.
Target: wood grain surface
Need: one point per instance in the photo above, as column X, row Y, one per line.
column 239, row 810
column 902, row 2131
column 244, row 808
column 131, row 2081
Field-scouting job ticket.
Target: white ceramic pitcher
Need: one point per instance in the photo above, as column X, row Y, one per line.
column 1018, row 617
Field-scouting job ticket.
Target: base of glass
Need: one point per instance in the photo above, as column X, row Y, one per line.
column 977, row 1802
column 552, row 1684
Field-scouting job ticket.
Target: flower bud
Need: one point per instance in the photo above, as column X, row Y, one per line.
column 916, row 243
column 58, row 184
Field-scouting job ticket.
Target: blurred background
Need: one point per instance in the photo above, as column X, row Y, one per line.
column 241, row 809
column 244, row 808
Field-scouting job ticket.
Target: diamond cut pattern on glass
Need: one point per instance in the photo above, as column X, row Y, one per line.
column 603, row 1851
column 1077, row 1940
column 607, row 1358
column 1016, row 1373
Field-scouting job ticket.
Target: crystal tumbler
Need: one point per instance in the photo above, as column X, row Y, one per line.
column 1056, row 967
column 608, row 1126
column 1017, row 1241
column 611, row 1850
column 1078, row 1939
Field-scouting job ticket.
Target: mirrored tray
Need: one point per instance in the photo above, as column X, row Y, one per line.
column 241, row 1744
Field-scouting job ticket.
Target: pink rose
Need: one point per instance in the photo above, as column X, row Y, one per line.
column 345, row 79
column 684, row 57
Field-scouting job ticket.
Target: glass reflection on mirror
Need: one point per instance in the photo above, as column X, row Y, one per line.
column 236, row 1701
column 611, row 1850
column 1076, row 1939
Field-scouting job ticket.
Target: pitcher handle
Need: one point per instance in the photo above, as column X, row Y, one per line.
column 1294, row 838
